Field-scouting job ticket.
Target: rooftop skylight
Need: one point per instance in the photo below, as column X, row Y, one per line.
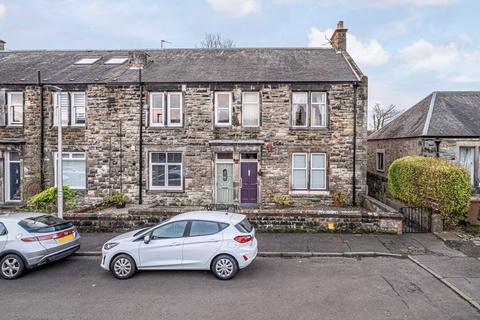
column 87, row 60
column 116, row 60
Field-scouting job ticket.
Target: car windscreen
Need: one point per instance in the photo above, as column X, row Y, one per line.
column 44, row 224
column 244, row 226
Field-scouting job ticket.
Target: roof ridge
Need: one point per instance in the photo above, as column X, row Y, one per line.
column 168, row 49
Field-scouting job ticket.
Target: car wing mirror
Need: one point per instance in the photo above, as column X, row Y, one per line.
column 147, row 238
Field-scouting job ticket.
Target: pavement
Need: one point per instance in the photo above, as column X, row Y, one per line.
column 407, row 244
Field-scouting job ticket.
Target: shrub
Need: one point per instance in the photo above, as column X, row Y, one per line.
column 431, row 182
column 118, row 199
column 283, row 201
column 340, row 198
column 46, row 201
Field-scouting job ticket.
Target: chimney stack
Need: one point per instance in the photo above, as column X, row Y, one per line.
column 138, row 59
column 2, row 45
column 339, row 37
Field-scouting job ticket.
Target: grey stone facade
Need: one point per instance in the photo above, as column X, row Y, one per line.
column 110, row 139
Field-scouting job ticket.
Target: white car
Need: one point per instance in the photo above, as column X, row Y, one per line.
column 201, row 240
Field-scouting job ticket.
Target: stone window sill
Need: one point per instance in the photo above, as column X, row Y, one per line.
column 164, row 128
column 309, row 193
column 71, row 127
column 166, row 191
column 323, row 129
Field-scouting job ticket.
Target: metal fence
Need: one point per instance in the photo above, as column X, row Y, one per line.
column 416, row 219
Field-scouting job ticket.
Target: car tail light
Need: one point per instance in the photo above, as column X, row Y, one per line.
column 243, row 239
column 50, row 236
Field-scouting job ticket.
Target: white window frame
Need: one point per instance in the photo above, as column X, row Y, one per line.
column 312, row 169
column 87, row 61
column 116, row 60
column 323, row 108
column 151, row 122
column 166, row 164
column 257, row 104
column 73, row 117
column 305, row 169
column 377, row 152
column 70, row 158
column 11, row 106
column 307, row 109
column 7, row 176
column 217, row 124
column 169, row 108
column 55, row 106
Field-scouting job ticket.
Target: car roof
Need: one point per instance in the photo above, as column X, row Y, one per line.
column 19, row 216
column 218, row 216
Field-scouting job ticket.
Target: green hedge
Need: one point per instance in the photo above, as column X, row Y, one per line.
column 431, row 182
column 46, row 201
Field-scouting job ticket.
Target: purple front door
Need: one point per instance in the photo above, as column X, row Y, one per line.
column 248, row 173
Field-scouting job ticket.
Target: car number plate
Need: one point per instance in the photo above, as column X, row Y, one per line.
column 66, row 238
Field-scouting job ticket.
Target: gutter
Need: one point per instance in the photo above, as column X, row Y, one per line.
column 42, row 131
column 140, row 164
column 123, row 83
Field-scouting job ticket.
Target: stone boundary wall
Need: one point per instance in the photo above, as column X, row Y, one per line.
column 377, row 186
column 271, row 220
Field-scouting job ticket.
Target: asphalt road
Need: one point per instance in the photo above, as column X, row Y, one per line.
column 272, row 288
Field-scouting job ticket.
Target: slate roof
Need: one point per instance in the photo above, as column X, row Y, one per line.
column 180, row 65
column 440, row 114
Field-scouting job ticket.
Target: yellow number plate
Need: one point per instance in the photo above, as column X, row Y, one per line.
column 66, row 238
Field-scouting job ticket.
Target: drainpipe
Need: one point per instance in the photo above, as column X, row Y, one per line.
column 42, row 132
column 354, row 173
column 140, row 164
column 437, row 147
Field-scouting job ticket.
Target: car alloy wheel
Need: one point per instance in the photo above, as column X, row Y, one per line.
column 123, row 267
column 11, row 267
column 225, row 267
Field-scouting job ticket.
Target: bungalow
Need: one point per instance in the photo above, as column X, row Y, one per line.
column 445, row 125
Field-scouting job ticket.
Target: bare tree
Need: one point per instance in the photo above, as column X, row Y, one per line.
column 215, row 40
column 383, row 115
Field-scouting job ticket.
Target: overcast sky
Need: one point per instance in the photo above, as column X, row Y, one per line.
column 407, row 48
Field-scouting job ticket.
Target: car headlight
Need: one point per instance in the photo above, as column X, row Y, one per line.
column 110, row 245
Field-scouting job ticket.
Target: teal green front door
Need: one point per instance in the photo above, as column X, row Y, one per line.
column 224, row 182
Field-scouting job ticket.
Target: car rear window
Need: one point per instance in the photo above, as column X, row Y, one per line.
column 203, row 228
column 244, row 226
column 44, row 224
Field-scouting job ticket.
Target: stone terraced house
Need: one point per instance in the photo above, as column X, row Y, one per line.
column 186, row 127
